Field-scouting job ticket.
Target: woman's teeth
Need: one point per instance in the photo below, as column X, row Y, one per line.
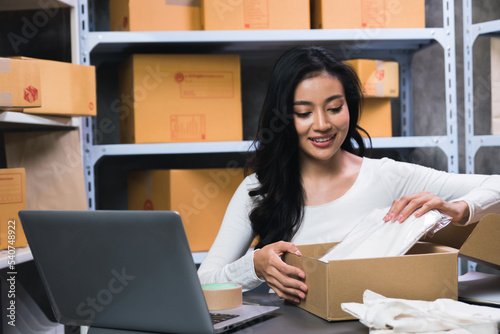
column 322, row 140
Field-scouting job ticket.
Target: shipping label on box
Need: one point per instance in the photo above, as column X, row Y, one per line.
column 205, row 85
column 19, row 83
column 12, row 200
column 200, row 196
column 180, row 98
column 188, row 128
column 370, row 14
column 154, row 15
column 495, row 86
column 255, row 14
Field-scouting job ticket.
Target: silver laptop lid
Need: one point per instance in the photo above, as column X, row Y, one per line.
column 118, row 269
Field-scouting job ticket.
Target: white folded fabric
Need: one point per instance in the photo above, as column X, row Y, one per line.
column 373, row 237
column 391, row 315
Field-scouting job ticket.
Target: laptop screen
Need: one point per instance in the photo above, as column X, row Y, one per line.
column 118, row 269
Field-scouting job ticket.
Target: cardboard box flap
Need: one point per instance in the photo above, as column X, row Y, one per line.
column 483, row 244
column 451, row 236
column 477, row 242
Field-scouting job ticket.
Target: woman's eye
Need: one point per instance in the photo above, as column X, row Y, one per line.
column 336, row 110
column 302, row 114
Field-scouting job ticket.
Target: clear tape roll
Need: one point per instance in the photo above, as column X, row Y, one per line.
column 222, row 296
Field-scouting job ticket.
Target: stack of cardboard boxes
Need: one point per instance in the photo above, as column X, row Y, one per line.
column 183, row 98
column 196, row 98
column 161, row 15
column 380, row 82
column 41, row 87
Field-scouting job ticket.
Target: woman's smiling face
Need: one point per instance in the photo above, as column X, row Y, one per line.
column 321, row 116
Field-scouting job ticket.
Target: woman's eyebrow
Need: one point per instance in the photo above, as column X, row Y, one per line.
column 334, row 97
column 302, row 103
column 308, row 103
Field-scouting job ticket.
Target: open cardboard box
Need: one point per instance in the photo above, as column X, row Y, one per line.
column 428, row 271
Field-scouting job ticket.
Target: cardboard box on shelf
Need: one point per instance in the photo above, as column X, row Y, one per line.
column 12, row 200
column 376, row 117
column 54, row 168
column 255, row 14
column 154, row 15
column 180, row 98
column 200, row 196
column 379, row 78
column 67, row 89
column 19, row 83
column 340, row 14
column 495, row 86
column 427, row 272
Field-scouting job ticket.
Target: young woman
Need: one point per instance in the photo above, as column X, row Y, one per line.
column 312, row 184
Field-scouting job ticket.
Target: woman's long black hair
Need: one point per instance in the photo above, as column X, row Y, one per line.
column 279, row 199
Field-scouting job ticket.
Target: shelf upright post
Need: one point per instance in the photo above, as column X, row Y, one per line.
column 405, row 93
column 468, row 87
column 470, row 151
column 450, row 85
column 86, row 126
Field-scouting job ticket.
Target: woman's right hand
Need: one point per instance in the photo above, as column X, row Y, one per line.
column 279, row 276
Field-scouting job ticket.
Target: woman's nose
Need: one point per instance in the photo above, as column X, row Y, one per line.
column 321, row 122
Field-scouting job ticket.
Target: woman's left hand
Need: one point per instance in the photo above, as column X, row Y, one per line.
column 422, row 202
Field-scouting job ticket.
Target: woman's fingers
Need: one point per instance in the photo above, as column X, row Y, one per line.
column 421, row 203
column 281, row 277
column 418, row 203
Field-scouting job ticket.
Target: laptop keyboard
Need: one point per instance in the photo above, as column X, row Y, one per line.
column 219, row 317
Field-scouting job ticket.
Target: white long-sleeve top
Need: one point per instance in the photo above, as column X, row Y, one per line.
column 379, row 183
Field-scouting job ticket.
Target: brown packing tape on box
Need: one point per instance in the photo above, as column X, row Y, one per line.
column 222, row 296
column 19, row 83
column 54, row 168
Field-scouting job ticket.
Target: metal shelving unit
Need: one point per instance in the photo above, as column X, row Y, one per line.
column 22, row 255
column 398, row 44
column 10, row 120
column 471, row 32
column 20, row 121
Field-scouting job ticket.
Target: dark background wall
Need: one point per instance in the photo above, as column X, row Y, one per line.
column 429, row 88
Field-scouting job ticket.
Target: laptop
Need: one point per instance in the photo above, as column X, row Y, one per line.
column 121, row 271
column 479, row 288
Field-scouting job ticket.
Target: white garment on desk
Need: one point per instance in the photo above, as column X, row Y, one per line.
column 392, row 315
column 373, row 237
